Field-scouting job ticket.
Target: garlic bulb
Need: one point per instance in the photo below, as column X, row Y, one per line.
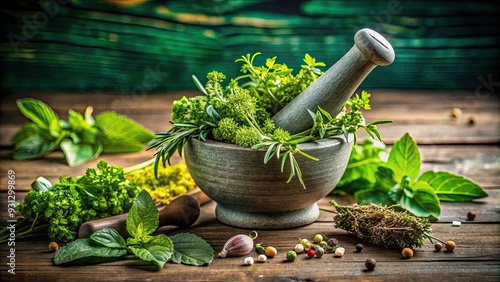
column 238, row 245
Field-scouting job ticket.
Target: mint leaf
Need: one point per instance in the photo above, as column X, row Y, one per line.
column 37, row 111
column 121, row 134
column 404, row 158
column 191, row 249
column 453, row 188
column 77, row 154
column 33, row 147
column 385, row 179
column 108, row 237
column 424, row 202
column 159, row 250
column 84, row 248
column 143, row 218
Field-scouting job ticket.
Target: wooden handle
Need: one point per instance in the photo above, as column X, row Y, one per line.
column 182, row 212
column 332, row 89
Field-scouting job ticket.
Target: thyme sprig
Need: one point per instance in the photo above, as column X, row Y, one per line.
column 383, row 225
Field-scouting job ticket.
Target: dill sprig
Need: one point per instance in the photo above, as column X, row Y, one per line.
column 383, row 225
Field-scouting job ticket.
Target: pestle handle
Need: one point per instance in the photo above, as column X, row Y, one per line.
column 332, row 89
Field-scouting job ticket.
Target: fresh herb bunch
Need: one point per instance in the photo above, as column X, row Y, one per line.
column 383, row 225
column 58, row 210
column 142, row 222
column 81, row 138
column 372, row 176
column 241, row 112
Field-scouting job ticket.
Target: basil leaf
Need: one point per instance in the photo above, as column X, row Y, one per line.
column 158, row 251
column 37, row 111
column 143, row 218
column 385, row 178
column 119, row 132
column 33, row 147
column 108, row 237
column 453, row 188
column 424, row 202
column 404, row 158
column 84, row 248
column 77, row 154
column 26, row 131
column 191, row 249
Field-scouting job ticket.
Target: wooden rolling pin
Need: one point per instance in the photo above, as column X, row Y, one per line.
column 332, row 89
column 183, row 211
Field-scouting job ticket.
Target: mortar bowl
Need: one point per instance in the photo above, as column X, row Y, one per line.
column 253, row 195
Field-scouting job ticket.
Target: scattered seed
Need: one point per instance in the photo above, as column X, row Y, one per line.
column 332, row 242
column 291, row 255
column 471, row 215
column 471, row 120
column 456, row 223
column 407, row 253
column 261, row 258
column 299, row 248
column 318, row 238
column 248, row 261
column 311, row 253
column 339, row 252
column 319, row 252
column 271, row 251
column 53, row 246
column 359, row 247
column 370, row 264
column 438, row 246
column 456, row 113
column 449, row 245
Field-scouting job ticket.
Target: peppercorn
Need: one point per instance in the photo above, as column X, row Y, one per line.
column 319, row 252
column 271, row 251
column 471, row 215
column 449, row 245
column 332, row 242
column 291, row 255
column 311, row 253
column 370, row 264
column 438, row 246
column 248, row 261
column 53, row 246
column 359, row 247
column 261, row 258
column 407, row 253
column 299, row 248
column 318, row 238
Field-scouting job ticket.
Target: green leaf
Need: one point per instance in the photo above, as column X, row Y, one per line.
column 28, row 130
column 404, row 158
column 84, row 248
column 108, row 237
column 41, row 184
column 424, row 202
column 385, row 178
column 451, row 187
column 191, row 249
column 159, row 250
column 118, row 129
column 39, row 112
column 376, row 196
column 77, row 154
column 143, row 218
column 33, row 147
column 77, row 121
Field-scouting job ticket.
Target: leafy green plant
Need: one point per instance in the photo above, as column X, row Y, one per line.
column 58, row 209
column 241, row 112
column 142, row 221
column 81, row 138
column 397, row 180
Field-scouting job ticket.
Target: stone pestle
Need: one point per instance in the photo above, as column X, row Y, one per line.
column 332, row 89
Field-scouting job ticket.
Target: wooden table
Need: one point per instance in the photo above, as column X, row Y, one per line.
column 467, row 145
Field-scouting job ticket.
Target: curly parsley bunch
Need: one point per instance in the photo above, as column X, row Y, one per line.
column 240, row 112
column 61, row 208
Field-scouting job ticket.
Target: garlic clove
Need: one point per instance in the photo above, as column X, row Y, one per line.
column 238, row 245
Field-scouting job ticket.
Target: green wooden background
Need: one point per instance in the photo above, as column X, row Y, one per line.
column 137, row 46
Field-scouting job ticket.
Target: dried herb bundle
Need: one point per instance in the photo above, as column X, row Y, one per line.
column 383, row 225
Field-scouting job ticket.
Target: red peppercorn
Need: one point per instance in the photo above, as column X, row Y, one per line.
column 311, row 253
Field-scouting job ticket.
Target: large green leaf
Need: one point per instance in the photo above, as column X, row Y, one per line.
column 404, row 158
column 143, row 218
column 159, row 250
column 39, row 112
column 423, row 203
column 453, row 188
column 34, row 146
column 121, row 134
column 85, row 248
column 108, row 237
column 77, row 154
column 191, row 249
